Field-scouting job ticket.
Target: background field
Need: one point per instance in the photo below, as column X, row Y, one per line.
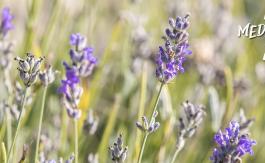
column 225, row 73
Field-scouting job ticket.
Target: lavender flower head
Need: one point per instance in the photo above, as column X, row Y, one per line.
column 82, row 65
column 29, row 68
column 118, row 151
column 72, row 93
column 82, row 55
column 6, row 23
column 231, row 145
column 47, row 76
column 170, row 58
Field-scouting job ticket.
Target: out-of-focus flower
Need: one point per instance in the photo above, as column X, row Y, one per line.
column 29, row 68
column 92, row 158
column 189, row 122
column 13, row 107
column 6, row 49
column 61, row 160
column 170, row 58
column 47, row 76
column 241, row 85
column 91, row 123
column 6, row 21
column 244, row 122
column 72, row 93
column 231, row 145
column 81, row 55
column 260, row 72
column 82, row 65
column 78, row 41
column 118, row 152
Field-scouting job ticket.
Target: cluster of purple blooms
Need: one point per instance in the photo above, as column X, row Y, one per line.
column 171, row 57
column 6, row 21
column 82, row 65
column 231, row 145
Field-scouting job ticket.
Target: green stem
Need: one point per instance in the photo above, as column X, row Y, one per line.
column 146, row 133
column 18, row 124
column 8, row 86
column 175, row 155
column 40, row 123
column 76, row 140
column 3, row 152
column 142, row 148
column 9, row 128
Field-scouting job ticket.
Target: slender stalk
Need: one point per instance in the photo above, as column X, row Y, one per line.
column 3, row 152
column 8, row 86
column 142, row 148
column 175, row 155
column 40, row 123
column 146, row 133
column 8, row 128
column 18, row 124
column 140, row 112
column 76, row 140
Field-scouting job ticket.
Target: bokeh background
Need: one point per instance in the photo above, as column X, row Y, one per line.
column 225, row 73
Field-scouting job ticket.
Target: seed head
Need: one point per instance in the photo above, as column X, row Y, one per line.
column 29, row 68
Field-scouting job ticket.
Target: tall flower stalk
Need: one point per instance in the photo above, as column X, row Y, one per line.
column 18, row 125
column 46, row 77
column 169, row 63
column 83, row 63
column 29, row 69
column 149, row 128
column 188, row 124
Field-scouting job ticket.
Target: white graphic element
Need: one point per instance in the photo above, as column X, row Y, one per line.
column 263, row 57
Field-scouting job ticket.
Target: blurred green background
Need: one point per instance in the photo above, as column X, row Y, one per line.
column 225, row 73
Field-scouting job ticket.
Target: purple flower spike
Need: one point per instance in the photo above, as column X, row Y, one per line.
column 72, row 93
column 6, row 21
column 82, row 65
column 71, row 74
column 171, row 57
column 231, row 145
column 78, row 41
column 82, row 56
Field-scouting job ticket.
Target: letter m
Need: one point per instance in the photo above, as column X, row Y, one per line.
column 243, row 31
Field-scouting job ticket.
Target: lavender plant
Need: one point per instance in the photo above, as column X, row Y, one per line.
column 29, row 69
column 188, row 124
column 46, row 77
column 61, row 160
column 145, row 127
column 169, row 63
column 82, row 65
column 5, row 60
column 72, row 92
column 6, row 22
column 118, row 152
column 91, row 123
column 171, row 57
column 231, row 145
